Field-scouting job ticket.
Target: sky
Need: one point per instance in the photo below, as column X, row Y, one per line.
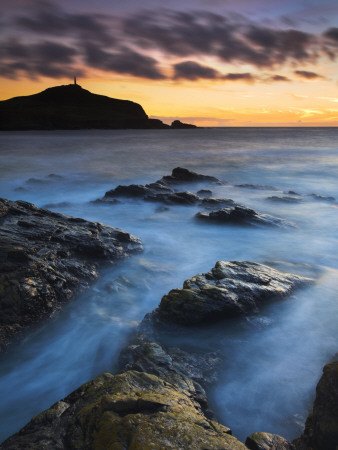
column 211, row 63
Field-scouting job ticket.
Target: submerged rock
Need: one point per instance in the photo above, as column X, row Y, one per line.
column 260, row 187
column 132, row 410
column 230, row 289
column 46, row 257
column 321, row 428
column 267, row 441
column 243, row 216
column 322, row 197
column 284, row 199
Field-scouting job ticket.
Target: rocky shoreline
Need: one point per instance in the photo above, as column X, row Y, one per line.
column 158, row 399
column 46, row 258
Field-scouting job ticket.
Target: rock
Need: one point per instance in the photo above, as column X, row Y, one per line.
column 322, row 197
column 211, row 203
column 146, row 355
column 321, row 428
column 284, row 199
column 267, row 441
column 181, row 175
column 179, row 198
column 204, row 193
column 177, row 124
column 132, row 410
column 71, row 107
column 259, row 187
column 243, row 216
column 162, row 190
column 46, row 257
column 230, row 289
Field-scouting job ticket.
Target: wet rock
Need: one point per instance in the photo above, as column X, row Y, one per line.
column 146, row 355
column 243, row 216
column 181, row 175
column 178, row 198
column 46, row 257
column 204, row 193
column 267, row 441
column 130, row 410
column 259, row 187
column 292, row 193
column 230, row 289
column 284, row 199
column 161, row 190
column 321, row 428
column 322, row 197
column 212, row 203
column 57, row 205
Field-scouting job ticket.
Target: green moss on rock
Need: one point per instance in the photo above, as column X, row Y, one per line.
column 133, row 410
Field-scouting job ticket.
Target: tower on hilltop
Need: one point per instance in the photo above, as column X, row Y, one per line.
column 74, row 80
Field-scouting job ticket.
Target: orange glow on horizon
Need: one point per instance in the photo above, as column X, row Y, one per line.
column 210, row 102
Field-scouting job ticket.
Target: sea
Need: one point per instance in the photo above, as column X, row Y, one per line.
column 271, row 360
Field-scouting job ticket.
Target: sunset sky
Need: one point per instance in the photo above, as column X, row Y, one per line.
column 212, row 63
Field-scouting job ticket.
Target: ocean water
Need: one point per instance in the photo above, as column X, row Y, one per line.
column 272, row 360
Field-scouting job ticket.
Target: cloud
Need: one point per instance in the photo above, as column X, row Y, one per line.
column 307, row 75
column 278, row 78
column 124, row 61
column 53, row 21
column 126, row 44
column 248, row 77
column 332, row 33
column 45, row 58
column 190, row 70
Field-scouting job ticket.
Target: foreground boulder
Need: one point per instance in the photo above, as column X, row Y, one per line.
column 230, row 289
column 267, row 441
column 243, row 216
column 132, row 410
column 45, row 258
column 321, row 429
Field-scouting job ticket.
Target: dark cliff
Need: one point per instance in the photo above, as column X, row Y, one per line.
column 72, row 107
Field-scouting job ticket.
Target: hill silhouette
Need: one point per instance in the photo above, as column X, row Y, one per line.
column 70, row 107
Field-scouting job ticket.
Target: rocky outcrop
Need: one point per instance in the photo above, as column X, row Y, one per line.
column 241, row 215
column 181, row 175
column 321, row 429
column 230, row 289
column 178, row 125
column 133, row 410
column 72, row 107
column 163, row 191
column 45, row 258
column 267, row 441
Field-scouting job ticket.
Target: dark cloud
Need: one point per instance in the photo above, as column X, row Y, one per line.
column 308, row 75
column 248, row 77
column 47, row 36
column 42, row 59
column 125, row 61
column 50, row 20
column 278, row 78
column 191, row 70
column 332, row 33
column 233, row 40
